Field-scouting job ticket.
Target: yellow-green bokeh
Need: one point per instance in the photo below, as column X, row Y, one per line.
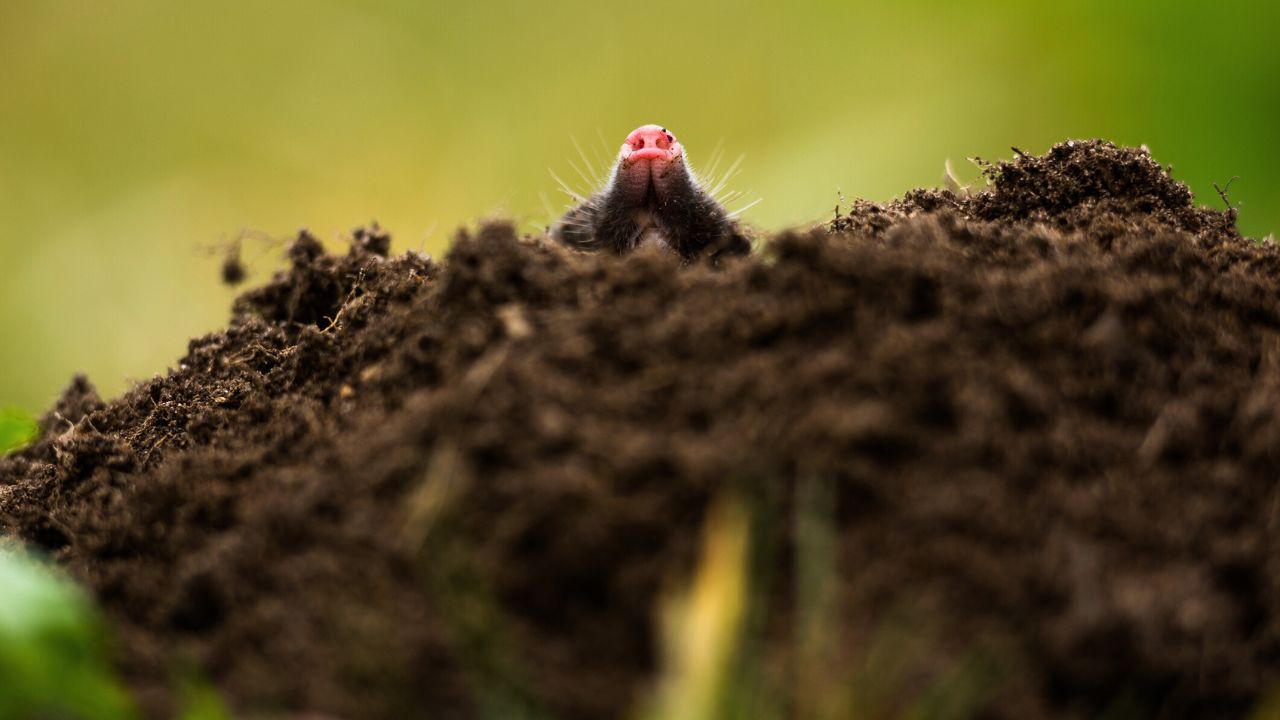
column 134, row 135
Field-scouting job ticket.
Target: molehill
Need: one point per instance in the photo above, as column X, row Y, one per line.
column 1045, row 417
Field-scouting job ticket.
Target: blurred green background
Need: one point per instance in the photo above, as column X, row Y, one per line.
column 135, row 136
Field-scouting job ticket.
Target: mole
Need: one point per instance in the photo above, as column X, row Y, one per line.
column 652, row 199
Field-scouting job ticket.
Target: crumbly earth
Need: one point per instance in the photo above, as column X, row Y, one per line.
column 1046, row 417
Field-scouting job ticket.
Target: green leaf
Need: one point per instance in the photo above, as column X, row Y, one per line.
column 17, row 428
column 52, row 647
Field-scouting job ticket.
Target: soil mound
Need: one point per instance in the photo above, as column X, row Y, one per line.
column 1046, row 417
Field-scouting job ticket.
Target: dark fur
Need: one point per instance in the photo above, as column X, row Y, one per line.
column 689, row 219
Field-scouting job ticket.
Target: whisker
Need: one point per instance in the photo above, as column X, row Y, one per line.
column 729, row 197
column 724, row 182
column 713, row 160
column 728, row 175
column 565, row 187
column 546, row 205
column 581, row 173
column 587, row 163
column 745, row 208
column 604, row 146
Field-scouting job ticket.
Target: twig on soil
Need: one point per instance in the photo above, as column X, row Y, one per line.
column 62, row 418
column 350, row 295
column 1020, row 154
column 146, row 461
column 1222, row 191
column 477, row 377
column 75, row 426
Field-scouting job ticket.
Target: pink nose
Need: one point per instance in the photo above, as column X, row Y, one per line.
column 650, row 141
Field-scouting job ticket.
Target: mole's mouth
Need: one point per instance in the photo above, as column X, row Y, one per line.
column 656, row 158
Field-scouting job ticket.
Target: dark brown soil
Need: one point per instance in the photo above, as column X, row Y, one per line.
column 1048, row 413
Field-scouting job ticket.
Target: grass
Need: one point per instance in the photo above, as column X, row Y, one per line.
column 716, row 664
column 712, row 631
column 702, row 625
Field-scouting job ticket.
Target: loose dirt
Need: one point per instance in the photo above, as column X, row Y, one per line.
column 1046, row 417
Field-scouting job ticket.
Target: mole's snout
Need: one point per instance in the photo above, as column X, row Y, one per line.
column 649, row 142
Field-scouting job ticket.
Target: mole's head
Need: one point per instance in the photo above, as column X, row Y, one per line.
column 652, row 199
column 649, row 162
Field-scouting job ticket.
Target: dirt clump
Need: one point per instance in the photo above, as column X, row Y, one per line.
column 1046, row 416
